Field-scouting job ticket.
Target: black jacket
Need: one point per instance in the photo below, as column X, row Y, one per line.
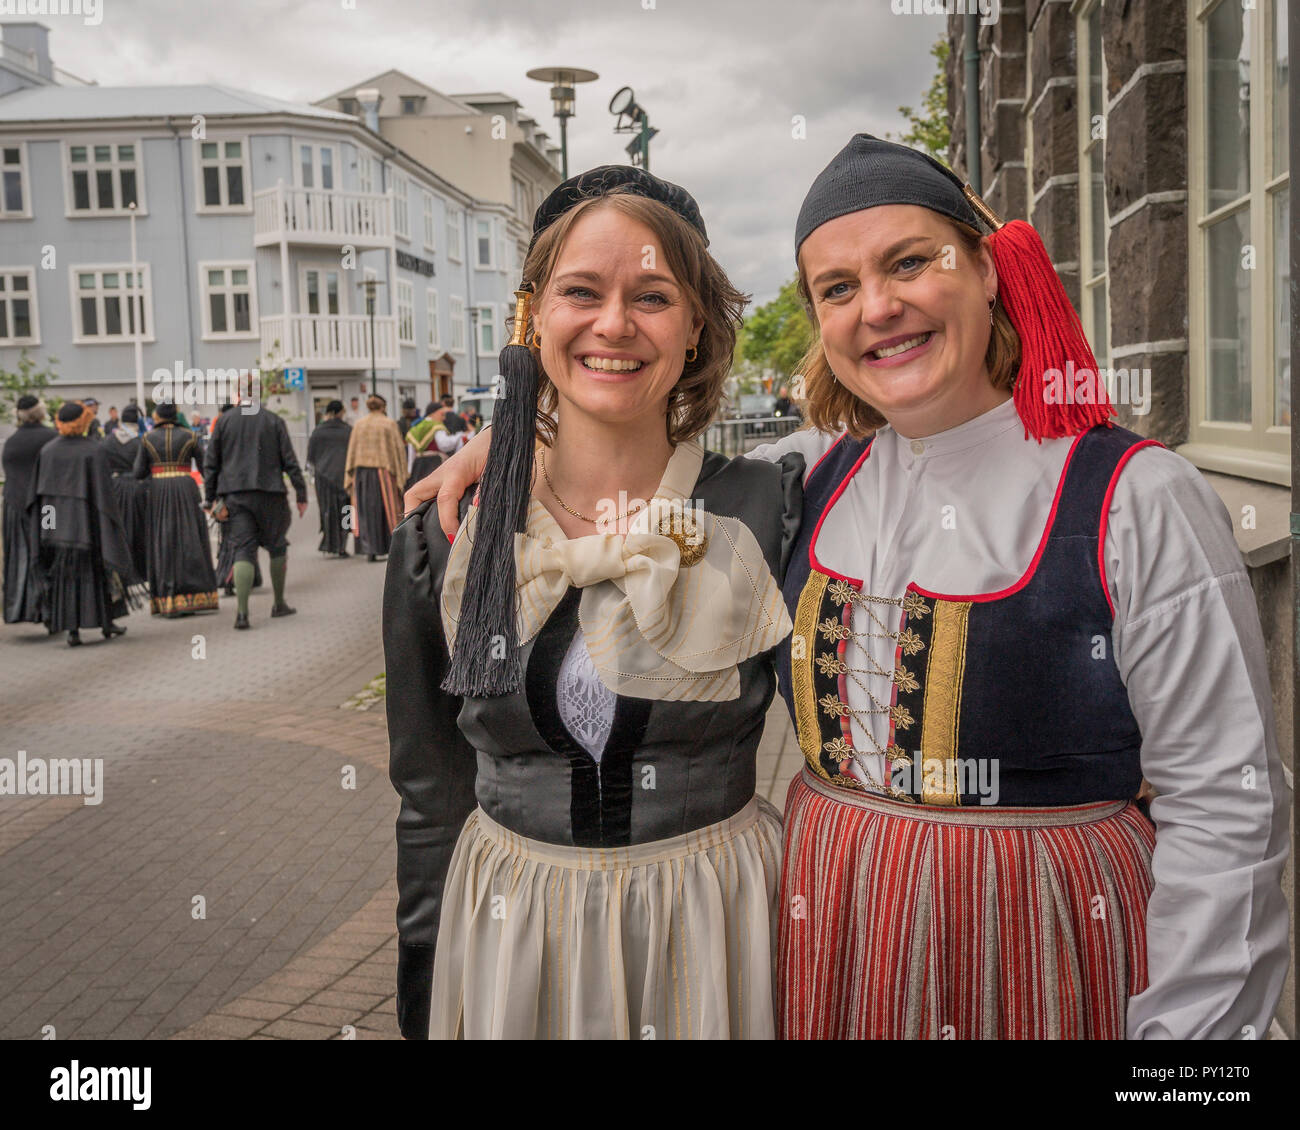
column 251, row 451
column 327, row 450
column 20, row 462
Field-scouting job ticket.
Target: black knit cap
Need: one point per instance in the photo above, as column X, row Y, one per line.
column 26, row 401
column 603, row 180
column 71, row 410
column 869, row 172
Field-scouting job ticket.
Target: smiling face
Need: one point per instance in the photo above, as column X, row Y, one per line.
column 615, row 323
column 903, row 310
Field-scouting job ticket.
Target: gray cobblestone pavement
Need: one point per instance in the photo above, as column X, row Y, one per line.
column 224, row 762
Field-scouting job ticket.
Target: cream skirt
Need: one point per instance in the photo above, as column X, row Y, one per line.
column 665, row 940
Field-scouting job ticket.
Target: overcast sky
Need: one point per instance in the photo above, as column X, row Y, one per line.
column 720, row 79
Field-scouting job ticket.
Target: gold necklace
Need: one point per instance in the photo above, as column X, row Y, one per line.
column 541, row 458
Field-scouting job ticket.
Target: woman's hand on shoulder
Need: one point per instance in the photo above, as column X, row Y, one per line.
column 451, row 480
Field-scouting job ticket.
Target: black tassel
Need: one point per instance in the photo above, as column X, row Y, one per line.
column 485, row 661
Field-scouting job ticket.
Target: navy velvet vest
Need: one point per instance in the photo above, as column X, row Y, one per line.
column 1018, row 686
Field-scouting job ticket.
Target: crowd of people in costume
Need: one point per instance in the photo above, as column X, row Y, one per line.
column 1018, row 644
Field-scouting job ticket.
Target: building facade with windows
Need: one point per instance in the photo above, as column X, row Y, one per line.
column 258, row 225
column 1148, row 144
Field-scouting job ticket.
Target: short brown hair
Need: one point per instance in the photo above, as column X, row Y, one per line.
column 695, row 397
column 831, row 406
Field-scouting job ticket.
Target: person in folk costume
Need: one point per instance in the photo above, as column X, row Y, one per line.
column 122, row 446
column 327, row 455
column 84, row 556
column 592, row 659
column 1005, row 609
column 432, row 439
column 374, row 476
column 22, row 602
column 1007, row 613
column 181, row 578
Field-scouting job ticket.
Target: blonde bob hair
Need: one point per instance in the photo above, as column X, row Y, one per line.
column 695, row 397
column 831, row 407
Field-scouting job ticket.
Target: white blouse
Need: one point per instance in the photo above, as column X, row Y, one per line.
column 963, row 511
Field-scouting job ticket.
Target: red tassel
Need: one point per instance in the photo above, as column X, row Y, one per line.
column 1053, row 348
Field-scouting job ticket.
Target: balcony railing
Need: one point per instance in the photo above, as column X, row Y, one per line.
column 330, row 341
column 322, row 216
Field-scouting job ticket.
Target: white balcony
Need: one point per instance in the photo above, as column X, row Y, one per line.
column 330, row 342
column 322, row 218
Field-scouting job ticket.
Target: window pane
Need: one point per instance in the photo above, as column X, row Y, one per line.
column 86, row 281
column 112, row 315
column 239, row 278
column 13, row 191
column 11, row 157
column 77, row 153
column 20, row 283
column 216, row 278
column 304, row 160
column 112, row 281
column 326, row 168
column 332, row 292
column 104, row 189
column 234, row 184
column 243, row 318
column 217, row 312
column 1228, row 104
column 211, row 185
column 89, row 319
column 103, row 152
column 1098, row 194
column 233, row 148
column 1281, row 91
column 81, row 191
column 1281, row 309
column 22, row 318
column 126, row 152
column 4, row 320
column 128, row 187
column 209, row 149
column 1228, row 318
column 3, row 279
column 1100, row 338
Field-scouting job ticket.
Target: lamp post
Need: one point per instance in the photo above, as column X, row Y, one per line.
column 369, row 285
column 563, row 80
column 633, row 119
column 137, row 309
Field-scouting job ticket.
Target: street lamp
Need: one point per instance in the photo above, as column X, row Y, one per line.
column 563, row 80
column 369, row 286
column 633, row 119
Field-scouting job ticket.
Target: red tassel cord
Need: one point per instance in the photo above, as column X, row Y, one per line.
column 1059, row 391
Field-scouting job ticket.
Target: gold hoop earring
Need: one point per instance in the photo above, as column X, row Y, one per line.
column 537, row 340
column 691, row 354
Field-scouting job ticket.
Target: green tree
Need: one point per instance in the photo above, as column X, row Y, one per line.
column 931, row 128
column 27, row 379
column 777, row 334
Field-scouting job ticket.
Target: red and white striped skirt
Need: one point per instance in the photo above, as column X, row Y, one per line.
column 899, row 921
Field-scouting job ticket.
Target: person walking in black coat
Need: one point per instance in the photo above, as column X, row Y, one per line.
column 327, row 455
column 247, row 458
column 21, row 590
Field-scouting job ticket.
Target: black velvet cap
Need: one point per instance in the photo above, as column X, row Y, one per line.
column 26, row 401
column 603, row 180
column 71, row 410
column 869, row 172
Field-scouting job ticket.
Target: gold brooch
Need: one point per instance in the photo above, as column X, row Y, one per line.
column 683, row 530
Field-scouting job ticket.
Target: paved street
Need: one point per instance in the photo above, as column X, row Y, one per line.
column 228, row 885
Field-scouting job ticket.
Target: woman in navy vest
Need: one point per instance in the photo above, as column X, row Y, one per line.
column 1007, row 613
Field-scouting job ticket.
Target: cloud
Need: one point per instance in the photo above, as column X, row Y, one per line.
column 720, row 79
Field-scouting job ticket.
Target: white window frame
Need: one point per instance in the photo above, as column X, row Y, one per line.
column 89, row 143
column 367, row 165
column 79, row 336
column 24, row 182
column 1259, row 449
column 491, row 264
column 405, row 313
column 455, row 224
column 325, row 267
column 434, row 332
column 205, row 290
column 430, row 222
column 222, row 162
column 6, row 300
column 1092, row 276
column 487, row 323
column 317, row 166
column 401, row 190
column 456, row 319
